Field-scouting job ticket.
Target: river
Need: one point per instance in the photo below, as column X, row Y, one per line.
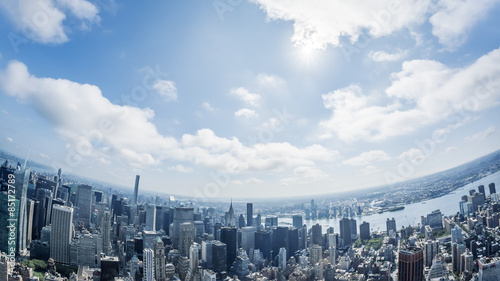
column 410, row 215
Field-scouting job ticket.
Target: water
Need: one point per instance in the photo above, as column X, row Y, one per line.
column 410, row 215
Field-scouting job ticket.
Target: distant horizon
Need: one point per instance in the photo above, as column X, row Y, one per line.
column 260, row 199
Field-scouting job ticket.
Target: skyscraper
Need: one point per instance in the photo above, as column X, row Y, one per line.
column 148, row 265
column 84, row 204
column 228, row 237
column 263, row 243
column 160, row 260
column 60, row 233
column 136, row 190
column 151, row 217
column 219, row 257
column 345, row 231
column 280, row 239
column 187, row 232
column 249, row 214
column 492, row 188
column 411, row 264
column 297, row 221
column 481, row 189
column 106, row 232
column 364, row 231
column 248, row 237
column 390, row 225
column 21, row 184
column 316, row 234
column 181, row 215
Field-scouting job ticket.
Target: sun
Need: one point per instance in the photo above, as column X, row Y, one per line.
column 307, row 53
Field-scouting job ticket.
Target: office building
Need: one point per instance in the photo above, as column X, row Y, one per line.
column 84, row 204
column 293, row 242
column 60, row 233
column 228, row 237
column 489, row 269
column 106, row 232
column 317, row 234
column 411, row 264
column 110, row 268
column 206, row 252
column 248, row 238
column 345, row 231
column 160, row 260
column 315, row 253
column 187, row 233
column 297, row 221
column 181, row 215
column 219, row 257
column 148, row 265
column 364, row 231
column 249, row 214
column 21, row 185
column 492, row 188
column 431, row 249
column 263, row 243
column 150, row 217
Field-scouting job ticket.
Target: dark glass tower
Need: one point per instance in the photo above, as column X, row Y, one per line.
column 249, row 214
column 228, row 237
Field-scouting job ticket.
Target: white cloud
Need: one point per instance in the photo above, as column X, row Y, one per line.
column 181, row 169
column 423, row 93
column 207, row 106
column 451, row 149
column 43, row 20
column 45, row 156
column 481, row 135
column 10, row 139
column 370, row 169
column 253, row 181
column 327, row 22
column 305, row 174
column 244, row 95
column 455, row 18
column 94, row 127
column 268, row 80
column 414, row 155
column 380, row 56
column 166, row 89
column 367, row 157
column 245, row 112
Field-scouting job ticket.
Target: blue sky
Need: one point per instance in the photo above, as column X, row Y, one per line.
column 260, row 98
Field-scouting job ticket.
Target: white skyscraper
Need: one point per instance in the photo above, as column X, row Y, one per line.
column 282, row 259
column 148, row 265
column 105, row 232
column 60, row 233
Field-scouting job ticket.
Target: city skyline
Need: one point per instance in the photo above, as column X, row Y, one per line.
column 254, row 98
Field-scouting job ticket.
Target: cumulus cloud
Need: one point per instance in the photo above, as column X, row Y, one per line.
column 181, row 169
column 327, row 22
column 245, row 112
column 424, row 92
column 207, row 106
column 244, row 95
column 166, row 89
column 481, row 135
column 380, row 56
column 455, row 18
column 367, row 157
column 92, row 126
column 44, row 20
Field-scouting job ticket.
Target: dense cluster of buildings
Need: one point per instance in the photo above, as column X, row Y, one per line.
column 102, row 236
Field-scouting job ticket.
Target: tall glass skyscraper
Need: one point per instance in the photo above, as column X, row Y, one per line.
column 60, row 233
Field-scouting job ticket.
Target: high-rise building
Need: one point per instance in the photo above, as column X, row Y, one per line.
column 435, row 219
column 345, row 231
column 181, row 215
column 106, row 232
column 249, row 214
column 477, row 199
column 228, row 237
column 151, row 217
column 84, row 204
column 411, row 264
column 60, row 233
column 187, row 233
column 21, row 185
column 136, row 190
column 332, row 244
column 297, row 221
column 148, row 265
column 315, row 253
column 263, row 243
column 492, row 188
column 354, row 230
column 219, row 257
column 481, row 189
column 160, row 260
column 282, row 259
column 430, row 251
column 364, row 231
column 293, row 242
column 110, row 268
column 489, row 269
column 280, row 239
column 241, row 221
column 206, row 252
column 390, row 224
column 456, row 252
column 248, row 237
column 317, row 234
column 456, row 235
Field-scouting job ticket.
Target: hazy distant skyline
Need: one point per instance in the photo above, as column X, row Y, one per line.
column 250, row 99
